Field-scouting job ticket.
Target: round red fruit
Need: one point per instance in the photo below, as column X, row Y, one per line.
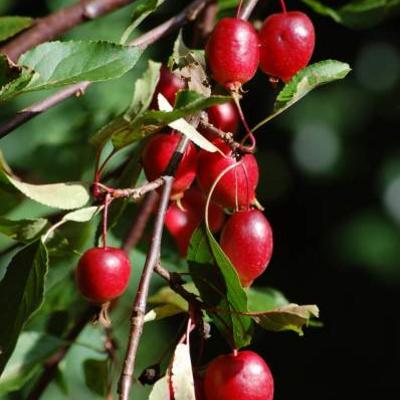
column 103, row 274
column 168, row 85
column 237, row 187
column 245, row 376
column 287, row 43
column 233, row 52
column 247, row 241
column 157, row 154
column 224, row 117
column 182, row 221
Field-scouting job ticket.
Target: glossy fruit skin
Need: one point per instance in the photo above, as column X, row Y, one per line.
column 224, row 117
column 233, row 52
column 287, row 44
column 245, row 376
column 168, row 85
column 241, row 180
column 103, row 274
column 157, row 154
column 181, row 223
column 247, row 241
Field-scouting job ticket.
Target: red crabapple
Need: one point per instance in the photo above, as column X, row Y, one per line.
column 287, row 42
column 247, row 241
column 103, row 274
column 245, row 376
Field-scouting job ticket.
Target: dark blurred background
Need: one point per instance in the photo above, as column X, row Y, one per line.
column 330, row 183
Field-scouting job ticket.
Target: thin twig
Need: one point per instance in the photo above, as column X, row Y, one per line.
column 175, row 283
column 133, row 193
column 247, row 9
column 59, row 22
column 153, row 255
column 187, row 14
column 141, row 218
column 227, row 137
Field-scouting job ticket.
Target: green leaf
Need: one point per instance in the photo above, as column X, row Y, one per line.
column 96, row 375
column 264, row 299
column 11, row 25
column 219, row 287
column 82, row 215
column 63, row 63
column 141, row 10
column 169, row 303
column 21, row 294
column 13, row 78
column 31, row 350
column 187, row 102
column 304, row 82
column 358, row 14
column 142, row 97
column 23, row 230
column 291, row 317
column 65, row 196
column 144, row 90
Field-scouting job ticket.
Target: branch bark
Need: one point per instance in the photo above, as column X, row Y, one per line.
column 59, row 22
column 153, row 255
column 187, row 14
column 142, row 216
column 247, row 9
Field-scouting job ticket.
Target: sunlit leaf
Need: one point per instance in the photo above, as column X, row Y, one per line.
column 182, row 374
column 304, row 82
column 291, row 317
column 65, row 196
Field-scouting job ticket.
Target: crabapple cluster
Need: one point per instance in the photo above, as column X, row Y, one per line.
column 283, row 46
column 235, row 177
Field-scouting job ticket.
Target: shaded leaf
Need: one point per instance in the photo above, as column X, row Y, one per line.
column 264, row 299
column 64, row 63
column 182, row 374
column 304, row 81
column 13, row 78
column 21, row 294
column 291, row 317
column 96, row 375
column 219, row 287
column 23, row 230
column 11, row 25
column 31, row 350
column 358, row 14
